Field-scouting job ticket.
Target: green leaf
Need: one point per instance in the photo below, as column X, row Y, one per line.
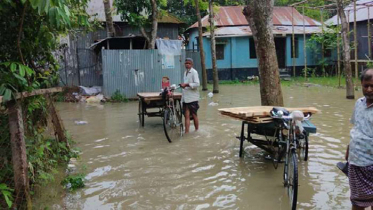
column 7, row 95
column 2, row 90
column 27, row 69
column 21, row 71
column 67, row 11
column 7, row 195
column 42, row 6
column 34, row 3
column 3, row 186
column 63, row 15
column 22, row 80
column 13, row 67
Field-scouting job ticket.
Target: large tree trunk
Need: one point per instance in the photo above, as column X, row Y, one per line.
column 201, row 50
column 213, row 50
column 153, row 33
column 152, row 36
column 259, row 15
column 109, row 19
column 346, row 52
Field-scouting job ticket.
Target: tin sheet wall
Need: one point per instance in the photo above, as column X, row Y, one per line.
column 133, row 71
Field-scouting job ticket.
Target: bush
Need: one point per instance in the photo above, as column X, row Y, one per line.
column 73, row 182
column 118, row 97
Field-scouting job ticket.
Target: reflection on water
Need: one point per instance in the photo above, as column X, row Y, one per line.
column 136, row 168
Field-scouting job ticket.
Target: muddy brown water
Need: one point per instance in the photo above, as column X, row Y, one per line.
column 128, row 167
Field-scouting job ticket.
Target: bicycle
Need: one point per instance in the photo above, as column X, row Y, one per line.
column 287, row 146
column 172, row 114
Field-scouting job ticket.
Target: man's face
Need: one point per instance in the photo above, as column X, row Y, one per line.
column 368, row 88
column 188, row 64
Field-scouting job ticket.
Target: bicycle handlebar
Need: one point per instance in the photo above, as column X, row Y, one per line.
column 290, row 117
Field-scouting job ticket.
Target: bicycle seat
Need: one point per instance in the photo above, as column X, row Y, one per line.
column 298, row 115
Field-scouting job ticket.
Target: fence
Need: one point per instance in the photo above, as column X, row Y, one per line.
column 133, row 71
column 83, row 67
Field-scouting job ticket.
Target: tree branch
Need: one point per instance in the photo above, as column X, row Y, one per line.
column 145, row 34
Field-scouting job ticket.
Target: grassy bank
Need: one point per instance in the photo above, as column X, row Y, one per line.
column 299, row 81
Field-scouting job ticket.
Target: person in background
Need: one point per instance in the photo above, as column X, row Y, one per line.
column 190, row 94
column 360, row 150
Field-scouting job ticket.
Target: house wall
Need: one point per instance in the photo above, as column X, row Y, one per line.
column 237, row 53
column 362, row 38
column 312, row 56
column 134, row 71
column 193, row 40
column 237, row 63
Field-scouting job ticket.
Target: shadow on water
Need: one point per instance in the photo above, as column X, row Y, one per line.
column 136, row 168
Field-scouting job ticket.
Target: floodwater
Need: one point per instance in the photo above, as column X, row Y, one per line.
column 128, row 167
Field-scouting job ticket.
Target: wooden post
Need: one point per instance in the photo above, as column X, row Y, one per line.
column 304, row 46
column 293, row 39
column 338, row 55
column 355, row 46
column 19, row 157
column 59, row 129
column 350, row 93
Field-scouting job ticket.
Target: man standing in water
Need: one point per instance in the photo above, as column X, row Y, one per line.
column 360, row 150
column 190, row 94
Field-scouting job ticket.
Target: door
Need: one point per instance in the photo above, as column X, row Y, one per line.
column 280, row 44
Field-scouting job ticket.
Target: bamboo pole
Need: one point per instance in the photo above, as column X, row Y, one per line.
column 338, row 55
column 36, row 92
column 58, row 127
column 293, row 39
column 355, row 46
column 304, row 46
column 369, row 41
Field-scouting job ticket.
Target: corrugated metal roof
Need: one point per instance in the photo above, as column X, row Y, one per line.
column 232, row 16
column 239, row 31
column 96, row 8
column 361, row 12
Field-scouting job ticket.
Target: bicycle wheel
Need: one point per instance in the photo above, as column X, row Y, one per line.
column 286, row 163
column 292, row 184
column 303, row 147
column 141, row 114
column 172, row 124
column 179, row 115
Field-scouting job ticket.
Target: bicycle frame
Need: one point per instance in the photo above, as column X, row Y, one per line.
column 170, row 103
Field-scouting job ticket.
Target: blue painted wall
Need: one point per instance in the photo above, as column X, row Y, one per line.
column 193, row 39
column 237, row 52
